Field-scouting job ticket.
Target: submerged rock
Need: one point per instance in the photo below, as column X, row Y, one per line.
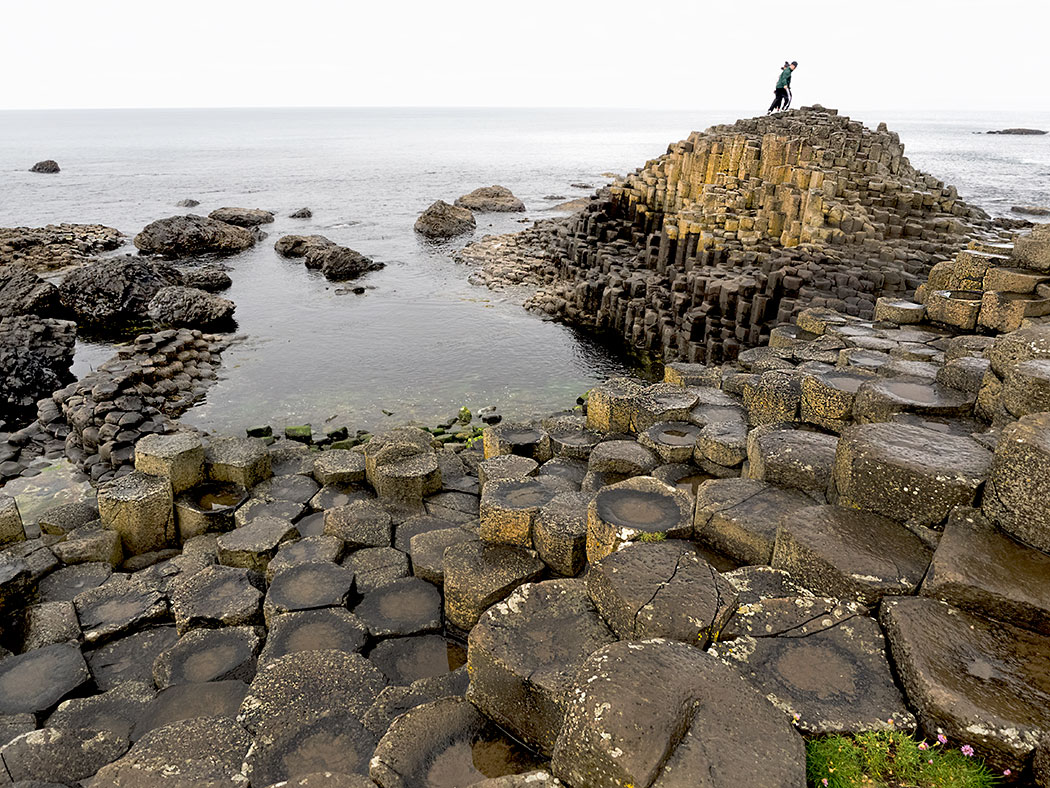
column 189, row 306
column 182, row 236
column 442, row 220
column 339, row 263
column 490, row 198
column 189, row 202
column 299, row 245
column 302, row 213
column 45, row 166
column 242, row 217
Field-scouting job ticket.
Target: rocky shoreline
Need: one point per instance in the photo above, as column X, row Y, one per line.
column 830, row 517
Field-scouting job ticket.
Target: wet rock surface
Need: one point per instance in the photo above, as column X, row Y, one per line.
column 183, row 236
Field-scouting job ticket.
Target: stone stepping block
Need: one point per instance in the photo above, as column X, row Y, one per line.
column 509, row 508
column 723, row 443
column 980, row 569
column 374, row 567
column 314, row 630
column 308, row 587
column 253, row 545
column 523, row 440
column 965, row 374
column 788, row 614
column 918, row 372
column 979, row 682
column 66, row 517
column 662, row 402
column 309, row 550
column 685, row 374
column 243, row 461
column 827, row 397
column 117, row 710
column 332, row 496
column 898, row 310
column 523, row 654
column 255, row 508
column 139, row 508
column 796, row 459
column 409, row 606
column 203, row 655
column 178, row 457
column 396, row 700
column 850, row 554
column 755, row 583
column 662, row 710
column 208, row 508
column 408, row 659
column 882, row 398
column 1017, row 496
column 506, row 466
column 574, row 443
column 308, row 683
column 186, row 701
column 451, row 500
column 90, row 544
column 47, row 623
column 444, row 742
column 638, row 509
column 715, row 406
column 118, row 608
column 862, row 360
column 661, row 589
column 290, row 487
column 611, row 405
column 622, row 459
column 360, row 524
column 478, row 574
column 563, row 469
column 1026, row 388
column 201, row 752
column 288, row 456
column 326, row 780
column 834, row 680
column 24, row 564
column 130, row 658
column 339, row 466
column 908, row 473
column 65, row 583
column 1001, row 311
column 671, row 441
column 407, row 480
column 218, row 596
column 427, row 551
column 1016, row 347
column 163, row 575
column 14, row 725
column 774, row 398
column 62, row 757
column 738, row 517
column 915, row 351
column 419, row 524
column 335, row 742
column 34, row 682
column 559, row 532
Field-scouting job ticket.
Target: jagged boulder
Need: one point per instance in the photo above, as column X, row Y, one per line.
column 490, row 199
column 182, row 236
column 46, row 166
column 339, row 263
column 207, row 278
column 115, row 290
column 442, row 220
column 35, row 359
column 299, row 245
column 188, row 306
column 242, row 217
column 24, row 293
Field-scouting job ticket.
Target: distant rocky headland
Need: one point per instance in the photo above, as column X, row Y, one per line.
column 830, row 517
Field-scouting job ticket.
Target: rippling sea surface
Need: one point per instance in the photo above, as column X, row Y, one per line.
column 422, row 341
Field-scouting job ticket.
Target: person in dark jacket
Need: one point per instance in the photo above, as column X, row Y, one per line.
column 782, row 92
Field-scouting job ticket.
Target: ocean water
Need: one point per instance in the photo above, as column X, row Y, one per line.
column 422, row 341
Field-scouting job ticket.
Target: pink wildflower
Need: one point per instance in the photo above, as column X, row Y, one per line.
column 942, row 739
column 1007, row 772
column 923, row 746
column 966, row 750
column 824, row 782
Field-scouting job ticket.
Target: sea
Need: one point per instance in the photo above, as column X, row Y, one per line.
column 421, row 341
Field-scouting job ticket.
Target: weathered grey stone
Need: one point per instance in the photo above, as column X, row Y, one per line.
column 243, row 461
column 427, row 551
column 659, row 713
column 202, row 655
column 11, row 529
column 47, row 623
column 442, row 220
column 117, row 710
column 60, row 756
column 187, row 701
column 477, row 575
column 115, row 609
column 339, row 466
column 523, row 655
column 1017, row 496
column 129, row 658
column 375, row 567
column 35, row 681
column 560, row 532
column 611, row 405
column 91, row 544
column 139, row 508
column 662, row 402
column 523, row 440
column 314, row 630
column 218, row 596
column 796, row 459
column 179, row 236
column 360, row 524
column 409, row 606
column 490, row 198
column 242, row 217
column 253, row 545
column 65, row 583
column 638, row 509
column 67, row 517
column 322, row 549
column 307, row 587
column 509, row 507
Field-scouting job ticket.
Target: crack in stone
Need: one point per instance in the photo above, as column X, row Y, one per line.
column 663, row 584
column 785, row 633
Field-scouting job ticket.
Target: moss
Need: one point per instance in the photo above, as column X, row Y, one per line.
column 654, row 537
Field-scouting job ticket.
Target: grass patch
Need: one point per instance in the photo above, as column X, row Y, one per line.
column 892, row 759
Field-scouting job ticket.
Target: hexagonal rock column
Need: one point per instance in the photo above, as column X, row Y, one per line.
column 33, row 682
column 880, row 399
column 1026, row 388
column 672, row 441
column 139, row 508
column 243, row 461
column 209, row 508
column 68, row 755
column 360, row 524
column 1017, row 495
column 339, row 466
column 659, row 709
column 909, row 473
column 979, row 682
column 845, row 553
column 178, row 457
column 401, row 467
column 620, row 460
column 979, row 568
column 611, row 405
column 253, row 545
column 505, row 466
column 477, row 575
column 523, row 655
column 738, row 517
column 638, row 509
column 509, row 508
column 11, row 529
column 434, row 744
column 827, row 397
column 836, row 679
column 661, row 589
column 327, row 628
column 114, row 609
column 308, row 587
column 774, row 398
column 407, row 606
column 523, row 440
column 559, row 532
column 796, row 459
column 662, row 402
column 218, row 596
column 202, row 655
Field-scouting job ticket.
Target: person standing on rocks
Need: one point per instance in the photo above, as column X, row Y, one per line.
column 782, row 92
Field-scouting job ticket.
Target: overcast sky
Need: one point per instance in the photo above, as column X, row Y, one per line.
column 919, row 54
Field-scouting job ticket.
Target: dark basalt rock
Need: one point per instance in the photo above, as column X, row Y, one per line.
column 490, row 198
column 208, row 278
column 189, row 306
column 409, row 606
column 299, row 245
column 308, row 586
column 47, row 166
column 22, row 292
column 408, row 659
column 129, row 658
column 442, row 220
column 339, row 263
column 203, row 655
column 118, row 608
column 1019, row 131
column 185, row 236
column 115, row 290
column 58, row 756
column 242, row 217
column 302, row 213
column 218, row 596
column 35, row 681
column 329, row 629
column 187, row 701
column 117, row 710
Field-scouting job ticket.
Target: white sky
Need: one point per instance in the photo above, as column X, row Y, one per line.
column 893, row 54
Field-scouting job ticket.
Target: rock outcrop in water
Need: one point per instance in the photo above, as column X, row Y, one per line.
column 735, row 230
column 242, row 217
column 35, row 359
column 442, row 220
column 47, row 166
column 56, row 245
column 492, row 199
column 115, row 291
column 185, row 236
column 189, row 307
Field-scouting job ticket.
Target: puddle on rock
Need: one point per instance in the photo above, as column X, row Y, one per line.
column 58, row 482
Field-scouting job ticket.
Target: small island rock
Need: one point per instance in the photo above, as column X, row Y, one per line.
column 491, row 198
column 442, row 220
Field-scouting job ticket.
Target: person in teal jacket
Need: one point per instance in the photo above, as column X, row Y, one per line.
column 782, row 92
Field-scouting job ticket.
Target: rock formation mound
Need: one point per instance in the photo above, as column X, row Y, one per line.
column 491, row 198
column 442, row 220
column 181, row 236
column 115, row 290
column 188, row 306
column 242, row 217
column 56, row 245
column 45, row 166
